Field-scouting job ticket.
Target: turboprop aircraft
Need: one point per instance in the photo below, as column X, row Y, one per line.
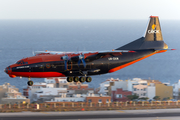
column 81, row 65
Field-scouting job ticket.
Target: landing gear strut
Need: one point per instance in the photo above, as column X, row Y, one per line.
column 77, row 79
column 30, row 83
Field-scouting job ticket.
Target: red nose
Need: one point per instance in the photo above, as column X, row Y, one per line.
column 8, row 70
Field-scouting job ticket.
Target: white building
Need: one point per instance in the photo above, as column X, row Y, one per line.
column 51, row 86
column 74, row 98
column 120, row 84
column 151, row 91
column 47, row 93
column 10, row 95
column 142, row 88
column 103, row 89
column 176, row 89
column 79, row 98
column 55, row 88
column 138, row 86
column 33, row 89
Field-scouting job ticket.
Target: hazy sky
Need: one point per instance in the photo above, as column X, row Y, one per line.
column 89, row 9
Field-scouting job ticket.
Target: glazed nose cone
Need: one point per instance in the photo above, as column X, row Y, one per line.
column 6, row 69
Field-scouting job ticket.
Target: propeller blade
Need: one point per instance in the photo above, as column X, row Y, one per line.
column 65, row 64
column 79, row 62
column 83, row 61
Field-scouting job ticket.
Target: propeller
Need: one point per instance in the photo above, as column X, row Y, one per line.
column 78, row 59
column 81, row 59
column 65, row 58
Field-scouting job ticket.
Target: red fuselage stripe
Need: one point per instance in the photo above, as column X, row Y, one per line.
column 38, row 74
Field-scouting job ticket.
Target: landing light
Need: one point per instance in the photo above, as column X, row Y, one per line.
column 12, row 76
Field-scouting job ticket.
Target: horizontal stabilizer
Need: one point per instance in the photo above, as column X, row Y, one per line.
column 141, row 44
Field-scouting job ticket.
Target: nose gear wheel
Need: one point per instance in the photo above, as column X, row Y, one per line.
column 30, row 83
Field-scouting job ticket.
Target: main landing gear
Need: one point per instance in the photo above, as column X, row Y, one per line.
column 30, row 83
column 77, row 79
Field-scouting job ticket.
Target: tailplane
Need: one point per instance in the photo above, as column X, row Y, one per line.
column 152, row 40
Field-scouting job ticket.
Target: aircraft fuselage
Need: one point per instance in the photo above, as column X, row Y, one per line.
column 43, row 66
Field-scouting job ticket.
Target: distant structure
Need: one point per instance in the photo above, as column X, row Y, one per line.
column 45, row 91
column 120, row 95
column 164, row 91
column 59, row 90
column 176, row 90
column 10, row 95
column 119, row 89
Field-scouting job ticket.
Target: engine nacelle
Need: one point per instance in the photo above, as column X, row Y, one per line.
column 75, row 59
column 64, row 57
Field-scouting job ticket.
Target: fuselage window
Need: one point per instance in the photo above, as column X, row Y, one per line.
column 48, row 65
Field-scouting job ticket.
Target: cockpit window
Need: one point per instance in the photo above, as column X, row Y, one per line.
column 18, row 62
column 21, row 62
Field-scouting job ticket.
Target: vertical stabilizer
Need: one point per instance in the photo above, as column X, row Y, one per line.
column 152, row 40
column 153, row 32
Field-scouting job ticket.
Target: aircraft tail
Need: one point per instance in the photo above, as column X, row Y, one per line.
column 152, row 40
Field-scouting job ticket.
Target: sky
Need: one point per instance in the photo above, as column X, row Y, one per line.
column 89, row 9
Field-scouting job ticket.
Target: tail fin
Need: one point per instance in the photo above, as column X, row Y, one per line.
column 152, row 40
column 153, row 32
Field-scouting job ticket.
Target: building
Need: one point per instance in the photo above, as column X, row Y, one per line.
column 91, row 98
column 56, row 89
column 10, row 95
column 143, row 88
column 96, row 98
column 46, row 94
column 164, row 91
column 76, row 92
column 79, row 88
column 59, row 82
column 176, row 90
column 120, row 95
column 110, row 85
column 51, row 87
column 73, row 98
column 151, row 91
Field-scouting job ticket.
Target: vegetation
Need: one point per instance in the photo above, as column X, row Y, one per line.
column 132, row 97
column 144, row 98
column 156, row 98
column 167, row 98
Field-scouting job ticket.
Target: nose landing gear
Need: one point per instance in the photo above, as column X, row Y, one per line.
column 30, row 83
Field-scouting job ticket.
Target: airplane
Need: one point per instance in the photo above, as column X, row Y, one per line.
column 79, row 66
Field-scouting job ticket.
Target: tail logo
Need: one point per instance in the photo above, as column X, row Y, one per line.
column 153, row 26
column 153, row 30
